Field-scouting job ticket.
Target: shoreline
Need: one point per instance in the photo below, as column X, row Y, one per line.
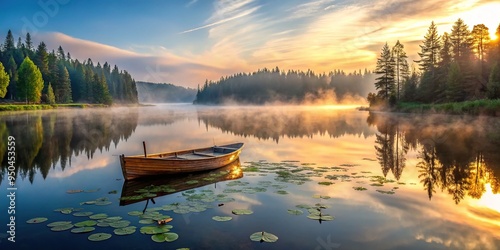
column 474, row 108
column 33, row 107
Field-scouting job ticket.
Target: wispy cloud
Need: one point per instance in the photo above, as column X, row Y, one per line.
column 311, row 8
column 225, row 11
column 190, row 3
column 322, row 35
column 245, row 13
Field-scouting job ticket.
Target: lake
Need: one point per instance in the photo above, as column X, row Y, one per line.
column 322, row 177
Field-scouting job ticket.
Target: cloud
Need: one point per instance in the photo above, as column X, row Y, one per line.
column 190, row 3
column 225, row 11
column 245, row 35
column 155, row 64
column 311, row 8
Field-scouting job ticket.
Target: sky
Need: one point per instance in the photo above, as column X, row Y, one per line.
column 185, row 42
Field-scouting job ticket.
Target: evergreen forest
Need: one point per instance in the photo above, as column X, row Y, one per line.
column 30, row 74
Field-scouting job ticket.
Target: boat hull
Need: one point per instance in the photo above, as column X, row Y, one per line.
column 176, row 183
column 185, row 161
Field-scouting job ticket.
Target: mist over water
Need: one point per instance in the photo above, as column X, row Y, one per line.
column 442, row 169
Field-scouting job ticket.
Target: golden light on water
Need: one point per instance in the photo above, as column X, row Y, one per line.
column 338, row 107
column 489, row 199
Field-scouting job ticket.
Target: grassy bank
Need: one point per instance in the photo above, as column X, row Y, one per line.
column 21, row 107
column 477, row 107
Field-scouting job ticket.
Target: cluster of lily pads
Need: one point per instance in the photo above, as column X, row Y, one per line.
column 291, row 172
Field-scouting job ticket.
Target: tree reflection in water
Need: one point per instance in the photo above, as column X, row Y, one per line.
column 458, row 155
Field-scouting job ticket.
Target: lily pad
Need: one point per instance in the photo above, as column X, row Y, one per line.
column 74, row 191
column 125, row 230
column 120, row 224
column 61, row 228
column 59, row 223
column 162, row 237
column 169, row 237
column 385, row 192
column 155, row 229
column 146, row 221
column 99, row 237
column 98, row 216
column 282, row 192
column 66, row 211
column 86, row 223
column 320, row 217
column 114, row 218
column 80, row 230
column 295, row 211
column 103, row 224
column 36, row 220
column 102, row 203
column 222, row 218
column 135, row 213
column 83, row 214
column 92, row 190
column 325, row 183
column 242, row 211
column 318, row 196
column 263, row 237
column 303, row 206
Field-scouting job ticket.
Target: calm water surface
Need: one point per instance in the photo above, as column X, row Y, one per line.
column 431, row 182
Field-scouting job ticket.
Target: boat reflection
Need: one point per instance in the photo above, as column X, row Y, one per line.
column 138, row 190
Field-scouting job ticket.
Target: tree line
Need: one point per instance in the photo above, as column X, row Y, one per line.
column 458, row 66
column 273, row 85
column 34, row 75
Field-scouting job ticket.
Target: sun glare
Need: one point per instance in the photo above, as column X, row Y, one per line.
column 486, row 14
column 489, row 199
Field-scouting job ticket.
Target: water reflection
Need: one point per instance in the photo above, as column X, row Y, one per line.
column 44, row 139
column 280, row 122
column 459, row 155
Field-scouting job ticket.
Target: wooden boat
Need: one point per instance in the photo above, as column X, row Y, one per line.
column 133, row 190
column 184, row 161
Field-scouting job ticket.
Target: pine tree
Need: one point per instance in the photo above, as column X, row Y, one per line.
column 30, row 83
column 42, row 60
column 63, row 94
column 429, row 55
column 60, row 54
column 455, row 89
column 11, row 68
column 401, row 69
column 385, row 68
column 51, row 98
column 28, row 42
column 481, row 39
column 410, row 88
column 4, row 81
column 494, row 82
column 461, row 41
column 446, row 51
column 9, row 42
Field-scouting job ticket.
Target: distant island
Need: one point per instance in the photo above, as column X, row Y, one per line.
column 30, row 75
column 149, row 92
